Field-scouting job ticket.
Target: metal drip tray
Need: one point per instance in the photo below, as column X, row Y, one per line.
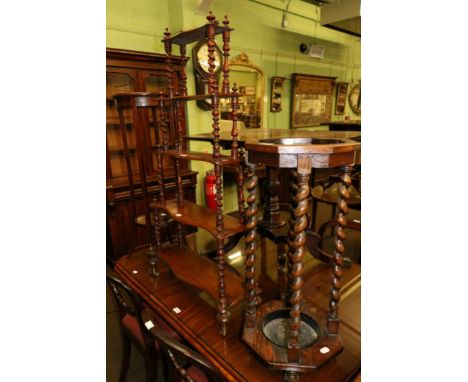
column 301, row 141
column 276, row 328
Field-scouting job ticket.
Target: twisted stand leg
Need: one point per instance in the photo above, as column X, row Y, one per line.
column 250, row 245
column 333, row 320
column 296, row 249
column 154, row 258
column 292, row 208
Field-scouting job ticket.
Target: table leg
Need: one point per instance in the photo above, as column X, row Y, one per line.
column 271, row 209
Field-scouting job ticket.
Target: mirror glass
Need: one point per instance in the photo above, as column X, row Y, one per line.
column 250, row 81
column 355, row 99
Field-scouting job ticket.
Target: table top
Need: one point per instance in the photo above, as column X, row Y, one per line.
column 254, row 135
column 197, row 324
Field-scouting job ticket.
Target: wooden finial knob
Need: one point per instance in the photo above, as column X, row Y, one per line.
column 167, row 34
column 225, row 21
column 210, row 17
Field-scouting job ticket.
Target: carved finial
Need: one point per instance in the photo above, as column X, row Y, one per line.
column 167, row 34
column 210, row 17
column 225, row 21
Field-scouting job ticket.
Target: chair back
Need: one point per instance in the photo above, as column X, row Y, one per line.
column 183, row 363
column 129, row 307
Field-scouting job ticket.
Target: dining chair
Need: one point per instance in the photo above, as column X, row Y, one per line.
column 133, row 331
column 181, row 362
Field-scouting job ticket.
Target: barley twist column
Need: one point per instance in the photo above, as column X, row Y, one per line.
column 226, row 38
column 333, row 320
column 296, row 248
column 282, row 259
column 250, row 244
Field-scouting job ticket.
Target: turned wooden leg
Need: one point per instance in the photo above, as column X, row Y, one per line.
column 224, row 314
column 250, row 245
column 333, row 320
column 292, row 208
column 296, row 248
column 125, row 361
column 156, row 251
column 271, row 210
column 151, row 368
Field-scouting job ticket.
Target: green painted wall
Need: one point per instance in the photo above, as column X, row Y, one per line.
column 139, row 25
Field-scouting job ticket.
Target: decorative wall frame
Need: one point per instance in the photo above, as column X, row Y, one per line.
column 311, row 100
column 341, row 91
column 276, row 94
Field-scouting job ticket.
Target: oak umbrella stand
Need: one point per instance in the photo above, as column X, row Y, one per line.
column 292, row 335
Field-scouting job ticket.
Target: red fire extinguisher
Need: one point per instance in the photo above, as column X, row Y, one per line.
column 210, row 190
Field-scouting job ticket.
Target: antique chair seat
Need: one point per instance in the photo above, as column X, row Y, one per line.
column 181, row 362
column 132, row 328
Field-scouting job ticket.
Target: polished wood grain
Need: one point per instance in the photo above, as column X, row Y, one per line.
column 199, row 216
column 199, row 271
column 196, row 321
column 203, row 157
column 254, row 135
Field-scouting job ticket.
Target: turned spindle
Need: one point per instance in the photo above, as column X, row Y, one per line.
column 333, row 320
column 226, row 38
column 296, row 252
column 250, row 244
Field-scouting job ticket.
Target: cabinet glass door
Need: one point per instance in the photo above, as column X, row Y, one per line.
column 119, row 81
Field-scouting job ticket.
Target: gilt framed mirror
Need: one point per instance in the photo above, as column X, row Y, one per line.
column 354, row 99
column 249, row 79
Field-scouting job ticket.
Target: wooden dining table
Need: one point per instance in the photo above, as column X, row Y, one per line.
column 192, row 314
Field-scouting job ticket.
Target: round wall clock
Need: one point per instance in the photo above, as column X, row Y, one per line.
column 201, row 70
column 201, row 58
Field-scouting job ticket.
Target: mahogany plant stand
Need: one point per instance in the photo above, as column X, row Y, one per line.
column 290, row 335
column 157, row 116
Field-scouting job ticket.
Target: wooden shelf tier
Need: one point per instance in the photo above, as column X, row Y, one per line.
column 202, row 273
column 198, row 216
column 194, row 35
column 204, row 157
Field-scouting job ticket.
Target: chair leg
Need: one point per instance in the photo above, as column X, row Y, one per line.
column 126, row 352
column 151, row 366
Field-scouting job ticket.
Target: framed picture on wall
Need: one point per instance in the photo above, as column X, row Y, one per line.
column 276, row 94
column 341, row 91
column 311, row 100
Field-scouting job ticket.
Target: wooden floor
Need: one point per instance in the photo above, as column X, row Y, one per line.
column 136, row 371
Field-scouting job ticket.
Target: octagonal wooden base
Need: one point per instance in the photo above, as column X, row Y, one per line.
column 282, row 358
